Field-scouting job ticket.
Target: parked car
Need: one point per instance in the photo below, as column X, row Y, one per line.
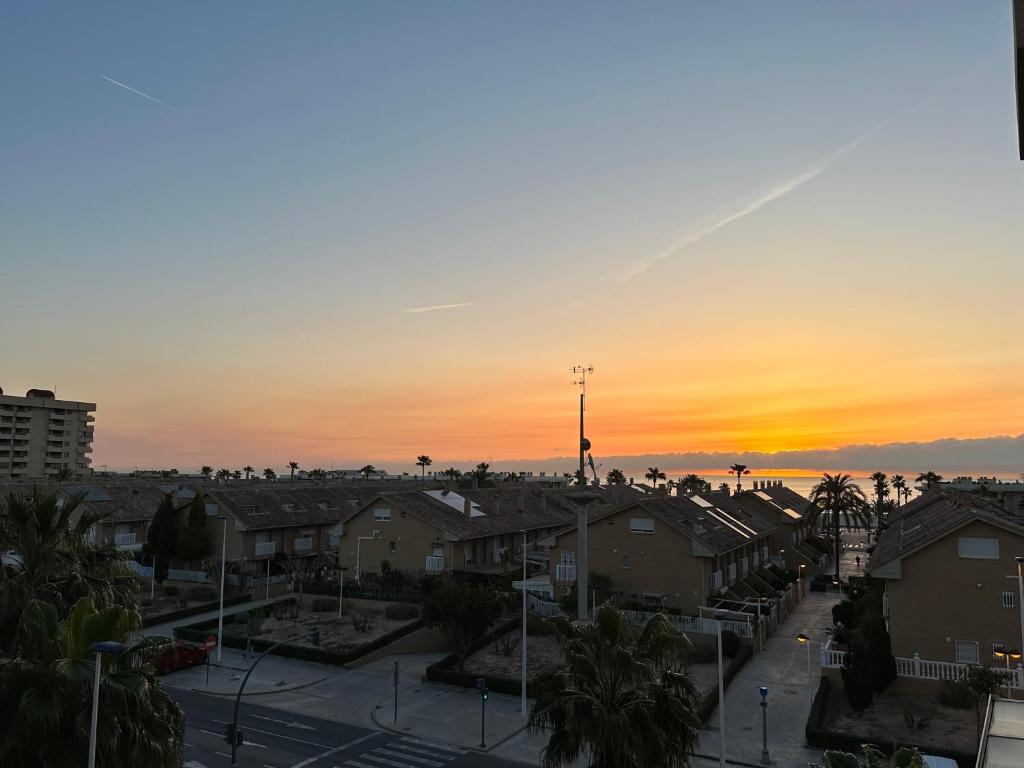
column 179, row 655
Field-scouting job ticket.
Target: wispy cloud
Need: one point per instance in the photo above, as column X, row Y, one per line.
column 722, row 218
column 437, row 307
column 140, row 93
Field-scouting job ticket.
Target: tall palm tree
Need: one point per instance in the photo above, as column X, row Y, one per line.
column 248, row 471
column 622, row 703
column 223, row 474
column 206, row 471
column 930, row 479
column 481, row 472
column 654, row 475
column 368, row 470
column 292, row 467
column 899, row 484
column 236, row 475
column 842, row 499
column 881, row 481
column 270, row 474
column 739, row 470
column 616, row 477
column 723, row 487
column 424, row 462
column 452, row 473
column 692, row 484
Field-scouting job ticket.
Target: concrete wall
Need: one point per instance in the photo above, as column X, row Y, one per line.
column 942, row 598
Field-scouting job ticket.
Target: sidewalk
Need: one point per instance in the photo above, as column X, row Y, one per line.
column 167, row 630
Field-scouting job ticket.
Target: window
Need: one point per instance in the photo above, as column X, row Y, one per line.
column 627, row 561
column 1008, row 599
column 437, row 550
column 392, row 546
column 967, row 651
column 977, row 548
column 382, row 514
column 567, row 558
column 641, row 525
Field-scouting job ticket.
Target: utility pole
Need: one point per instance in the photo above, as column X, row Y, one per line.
column 583, row 499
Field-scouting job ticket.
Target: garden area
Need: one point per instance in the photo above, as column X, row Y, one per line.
column 169, row 598
column 363, row 621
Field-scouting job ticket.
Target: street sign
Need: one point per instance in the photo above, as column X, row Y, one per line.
column 210, row 642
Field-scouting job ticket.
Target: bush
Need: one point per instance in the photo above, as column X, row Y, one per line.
column 168, row 590
column 636, row 605
column 956, row 694
column 324, row 604
column 730, row 644
column 705, row 649
column 402, row 612
column 363, row 620
column 201, row 594
column 537, row 626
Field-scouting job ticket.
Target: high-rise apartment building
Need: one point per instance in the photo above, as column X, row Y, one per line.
column 41, row 435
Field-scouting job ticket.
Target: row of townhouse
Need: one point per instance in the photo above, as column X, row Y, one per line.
column 694, row 550
column 952, row 590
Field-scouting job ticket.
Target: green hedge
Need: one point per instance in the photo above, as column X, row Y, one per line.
column 818, row 736
column 710, row 700
column 184, row 613
column 199, row 632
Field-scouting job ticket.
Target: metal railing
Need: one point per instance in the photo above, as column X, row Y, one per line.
column 565, row 573
column 434, row 564
column 694, row 624
column 124, row 539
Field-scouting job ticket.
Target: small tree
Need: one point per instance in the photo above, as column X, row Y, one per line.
column 981, row 682
column 195, row 538
column 368, row 470
column 463, row 613
column 206, row 471
column 616, row 477
column 481, row 472
column 248, row 471
column 162, row 538
column 299, row 569
column 292, row 466
column 424, row 461
column 270, row 474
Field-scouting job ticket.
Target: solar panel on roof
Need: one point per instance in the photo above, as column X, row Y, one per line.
column 701, row 501
column 89, row 492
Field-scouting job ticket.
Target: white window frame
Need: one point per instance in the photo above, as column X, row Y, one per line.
column 970, row 547
column 1009, row 600
column 382, row 514
column 967, row 652
column 639, row 525
column 567, row 557
column 627, row 561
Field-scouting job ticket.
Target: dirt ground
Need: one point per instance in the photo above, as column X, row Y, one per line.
column 335, row 634
column 949, row 729
column 163, row 604
column 544, row 656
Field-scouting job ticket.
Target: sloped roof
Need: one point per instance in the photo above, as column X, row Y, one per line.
column 136, row 502
column 931, row 516
column 760, row 503
column 262, row 507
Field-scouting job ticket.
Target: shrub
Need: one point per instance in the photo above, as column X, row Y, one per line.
column 730, row 644
column 507, row 643
column 169, row 590
column 324, row 604
column 705, row 649
column 537, row 626
column 402, row 612
column 362, row 620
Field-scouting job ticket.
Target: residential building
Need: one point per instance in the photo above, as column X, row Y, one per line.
column 127, row 509
column 1009, row 493
column 679, row 551
column 951, row 589
column 790, row 515
column 41, row 435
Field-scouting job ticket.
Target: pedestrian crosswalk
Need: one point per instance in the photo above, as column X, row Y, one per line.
column 407, row 752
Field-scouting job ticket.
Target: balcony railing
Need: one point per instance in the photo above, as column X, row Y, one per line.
column 265, row 548
column 126, row 541
column 303, row 544
column 716, row 580
column 566, row 573
column 732, row 572
column 434, row 564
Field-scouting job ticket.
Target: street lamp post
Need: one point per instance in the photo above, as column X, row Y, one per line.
column 359, row 542
column 223, row 572
column 1020, row 596
column 522, row 703
column 721, row 691
column 99, row 649
column 1006, row 656
column 764, row 724
column 805, row 640
column 800, row 580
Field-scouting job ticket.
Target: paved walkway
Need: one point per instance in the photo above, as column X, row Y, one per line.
column 167, row 630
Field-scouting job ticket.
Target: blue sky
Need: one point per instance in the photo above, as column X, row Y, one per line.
column 325, row 166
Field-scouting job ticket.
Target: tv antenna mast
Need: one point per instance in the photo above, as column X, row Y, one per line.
column 583, row 498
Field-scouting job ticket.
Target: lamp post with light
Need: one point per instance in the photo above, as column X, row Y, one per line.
column 223, row 571
column 719, row 617
column 1007, row 655
column 99, row 649
column 1020, row 596
column 801, row 582
column 805, row 640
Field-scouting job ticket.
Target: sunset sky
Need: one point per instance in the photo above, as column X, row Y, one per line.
column 354, row 232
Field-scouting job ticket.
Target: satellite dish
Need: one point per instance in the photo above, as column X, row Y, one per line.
column 585, row 444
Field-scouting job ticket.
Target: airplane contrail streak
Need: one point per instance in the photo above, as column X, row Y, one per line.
column 417, row 310
column 140, row 93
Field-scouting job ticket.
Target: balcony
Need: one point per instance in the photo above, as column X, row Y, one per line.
column 303, row 544
column 731, row 571
column 265, row 549
column 716, row 580
column 565, row 573
column 126, row 541
column 434, row 564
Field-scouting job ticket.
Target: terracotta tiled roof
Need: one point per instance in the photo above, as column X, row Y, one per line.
column 269, row 506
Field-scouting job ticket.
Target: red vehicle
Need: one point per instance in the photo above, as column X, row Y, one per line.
column 179, row 655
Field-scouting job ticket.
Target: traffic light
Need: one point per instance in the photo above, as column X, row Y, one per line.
column 233, row 735
column 481, row 683
column 483, row 693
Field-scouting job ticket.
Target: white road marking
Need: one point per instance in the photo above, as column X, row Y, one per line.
column 270, row 733
column 433, row 745
column 333, row 751
column 420, row 760
column 427, row 752
column 385, row 761
column 357, row 764
column 289, row 723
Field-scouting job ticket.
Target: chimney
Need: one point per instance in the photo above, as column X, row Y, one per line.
column 467, row 506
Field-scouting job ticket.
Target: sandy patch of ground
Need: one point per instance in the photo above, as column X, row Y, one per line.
column 950, row 729
column 335, row 634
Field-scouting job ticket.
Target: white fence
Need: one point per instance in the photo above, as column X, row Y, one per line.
column 693, row 624
column 924, row 669
column 543, row 607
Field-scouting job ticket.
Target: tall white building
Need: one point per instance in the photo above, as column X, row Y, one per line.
column 41, row 435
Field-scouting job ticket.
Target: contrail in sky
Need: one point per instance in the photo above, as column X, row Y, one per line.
column 143, row 95
column 728, row 215
column 417, row 310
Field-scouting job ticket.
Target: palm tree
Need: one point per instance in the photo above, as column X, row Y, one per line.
column 270, row 474
column 318, row 474
column 654, row 475
column 723, row 487
column 841, row 498
column 616, row 477
column 452, row 473
column 424, row 462
column 739, row 470
column 929, row 478
column 237, row 475
column 618, row 701
column 223, row 474
column 481, row 472
column 206, row 471
column 292, row 467
column 880, row 479
column 692, row 484
column 899, row 484
column 248, row 471
column 368, row 470
column 883, row 511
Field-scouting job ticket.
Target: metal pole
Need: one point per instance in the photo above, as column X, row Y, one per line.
column 522, row 703
column 268, row 578
column 223, row 571
column 581, row 534
column 1020, row 599
column 341, row 584
column 809, row 699
column 721, row 698
column 483, row 710
column 95, row 711
column 1009, row 695
column 764, row 724
column 152, row 579
column 396, row 692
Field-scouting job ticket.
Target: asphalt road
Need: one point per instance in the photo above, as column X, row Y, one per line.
column 279, row 739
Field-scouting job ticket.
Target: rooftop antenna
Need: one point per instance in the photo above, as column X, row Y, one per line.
column 583, row 499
